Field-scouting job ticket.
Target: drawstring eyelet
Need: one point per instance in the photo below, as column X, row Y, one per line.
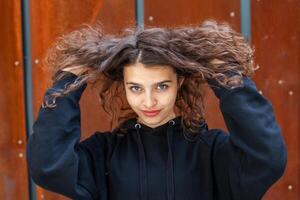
column 172, row 122
column 137, row 126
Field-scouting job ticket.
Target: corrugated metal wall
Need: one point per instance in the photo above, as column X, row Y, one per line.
column 275, row 35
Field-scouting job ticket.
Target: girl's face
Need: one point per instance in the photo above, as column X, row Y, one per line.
column 151, row 89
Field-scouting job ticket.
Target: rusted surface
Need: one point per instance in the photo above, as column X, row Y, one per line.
column 178, row 12
column 50, row 19
column 13, row 170
column 275, row 35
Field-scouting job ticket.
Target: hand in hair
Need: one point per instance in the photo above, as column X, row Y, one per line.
column 77, row 70
column 230, row 78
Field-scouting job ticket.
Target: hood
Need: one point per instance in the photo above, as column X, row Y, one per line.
column 170, row 128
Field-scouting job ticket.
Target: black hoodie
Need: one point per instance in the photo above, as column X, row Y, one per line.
column 162, row 163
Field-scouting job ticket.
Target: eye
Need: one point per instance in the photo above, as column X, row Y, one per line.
column 135, row 88
column 162, row 87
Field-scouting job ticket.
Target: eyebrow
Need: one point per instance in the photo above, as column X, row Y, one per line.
column 165, row 81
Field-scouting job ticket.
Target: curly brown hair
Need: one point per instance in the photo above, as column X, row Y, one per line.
column 209, row 51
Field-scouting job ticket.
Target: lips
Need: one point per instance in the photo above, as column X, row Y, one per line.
column 151, row 113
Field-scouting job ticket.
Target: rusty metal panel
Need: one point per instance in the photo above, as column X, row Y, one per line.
column 13, row 168
column 178, row 12
column 275, row 35
column 49, row 19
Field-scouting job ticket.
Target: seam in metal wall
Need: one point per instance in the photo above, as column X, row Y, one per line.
column 26, row 48
column 246, row 19
column 139, row 13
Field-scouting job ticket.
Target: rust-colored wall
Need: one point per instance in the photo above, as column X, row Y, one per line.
column 13, row 171
column 276, row 37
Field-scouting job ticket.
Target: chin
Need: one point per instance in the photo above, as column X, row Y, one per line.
column 152, row 120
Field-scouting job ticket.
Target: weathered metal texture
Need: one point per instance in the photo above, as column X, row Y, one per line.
column 178, row 12
column 13, row 170
column 275, row 36
column 50, row 19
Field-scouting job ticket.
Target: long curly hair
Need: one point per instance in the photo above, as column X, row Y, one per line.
column 200, row 53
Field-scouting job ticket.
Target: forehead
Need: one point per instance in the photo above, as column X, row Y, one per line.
column 140, row 73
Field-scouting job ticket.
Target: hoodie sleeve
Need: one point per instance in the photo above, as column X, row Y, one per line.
column 56, row 159
column 253, row 156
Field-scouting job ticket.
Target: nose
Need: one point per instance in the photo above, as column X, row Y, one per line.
column 149, row 100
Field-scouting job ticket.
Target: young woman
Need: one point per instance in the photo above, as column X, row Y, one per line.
column 161, row 148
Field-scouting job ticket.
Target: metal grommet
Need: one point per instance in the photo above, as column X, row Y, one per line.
column 171, row 122
column 137, row 126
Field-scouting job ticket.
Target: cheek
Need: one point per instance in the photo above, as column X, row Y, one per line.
column 132, row 99
column 168, row 99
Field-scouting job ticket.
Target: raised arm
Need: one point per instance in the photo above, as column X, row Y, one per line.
column 253, row 156
column 56, row 159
